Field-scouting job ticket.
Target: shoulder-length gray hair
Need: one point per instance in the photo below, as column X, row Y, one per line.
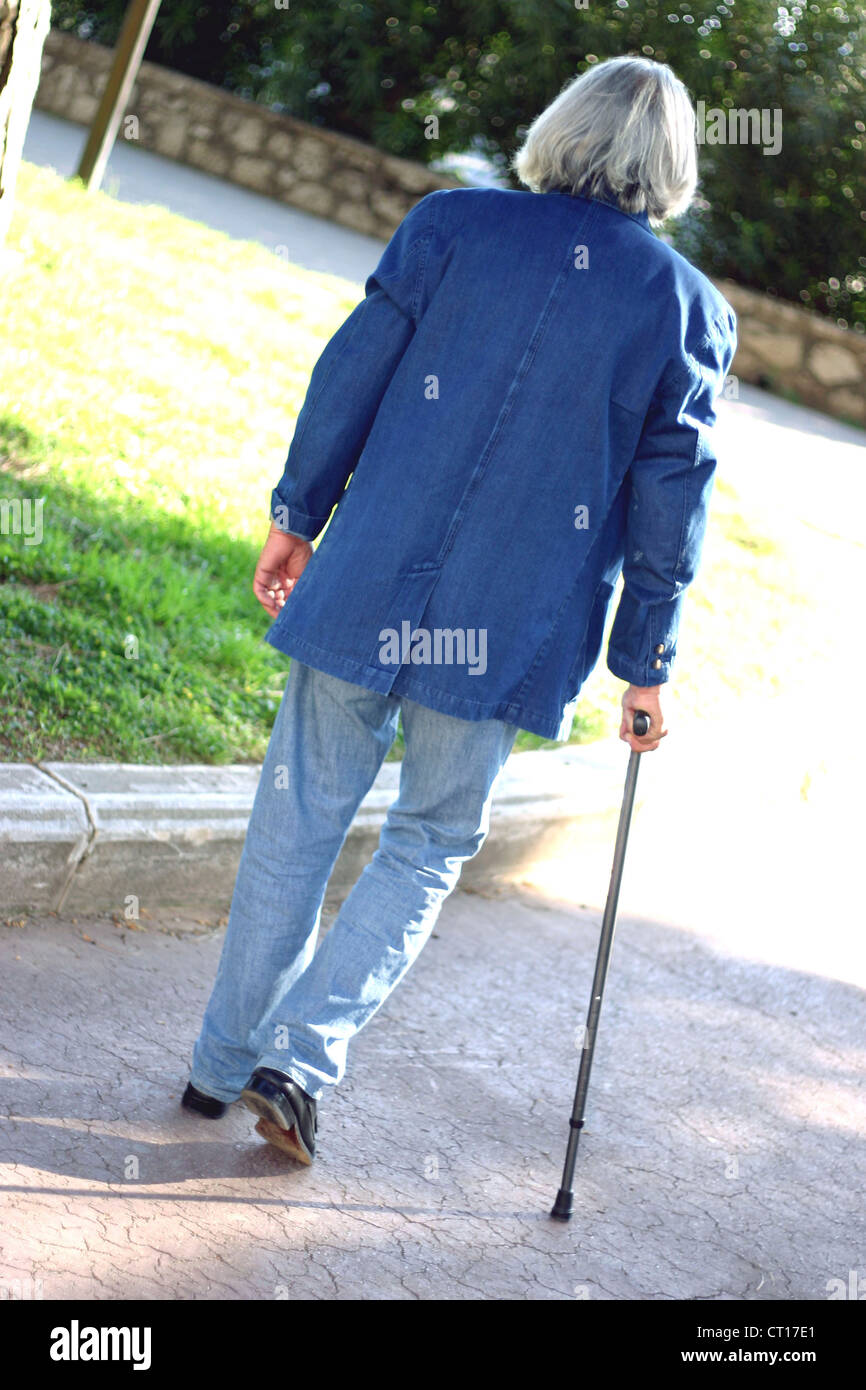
column 623, row 131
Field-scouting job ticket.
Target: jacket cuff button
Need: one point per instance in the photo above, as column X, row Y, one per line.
column 660, row 648
column 657, row 664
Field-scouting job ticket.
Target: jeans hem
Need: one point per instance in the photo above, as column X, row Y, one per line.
column 295, row 1073
column 207, row 1088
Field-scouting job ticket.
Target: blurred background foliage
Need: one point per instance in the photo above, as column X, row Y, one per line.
column 792, row 224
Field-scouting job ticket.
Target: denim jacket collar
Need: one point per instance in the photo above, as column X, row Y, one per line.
column 641, row 217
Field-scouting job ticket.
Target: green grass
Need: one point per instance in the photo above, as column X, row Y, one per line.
column 153, row 370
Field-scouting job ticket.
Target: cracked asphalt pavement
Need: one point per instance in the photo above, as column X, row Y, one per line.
column 723, row 1153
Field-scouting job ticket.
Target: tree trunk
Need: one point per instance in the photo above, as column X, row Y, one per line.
column 23, row 26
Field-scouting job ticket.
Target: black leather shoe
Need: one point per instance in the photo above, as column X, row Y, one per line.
column 202, row 1104
column 287, row 1115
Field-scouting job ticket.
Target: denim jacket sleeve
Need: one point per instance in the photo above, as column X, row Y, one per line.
column 670, row 480
column 350, row 378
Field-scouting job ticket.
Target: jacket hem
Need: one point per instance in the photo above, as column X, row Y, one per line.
column 458, row 706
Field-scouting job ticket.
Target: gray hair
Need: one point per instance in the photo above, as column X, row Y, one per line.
column 624, row 131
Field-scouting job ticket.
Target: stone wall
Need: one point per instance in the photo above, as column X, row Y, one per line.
column 316, row 170
column 798, row 354
column 782, row 347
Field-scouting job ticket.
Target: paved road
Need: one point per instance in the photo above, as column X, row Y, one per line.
column 139, row 176
column 724, row 1152
column 722, row 1158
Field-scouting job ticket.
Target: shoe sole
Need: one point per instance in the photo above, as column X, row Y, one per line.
column 284, row 1139
column 273, row 1131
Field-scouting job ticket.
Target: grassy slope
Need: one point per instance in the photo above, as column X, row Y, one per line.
column 152, row 371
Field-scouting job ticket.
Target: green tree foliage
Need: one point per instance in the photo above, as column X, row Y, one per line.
column 792, row 223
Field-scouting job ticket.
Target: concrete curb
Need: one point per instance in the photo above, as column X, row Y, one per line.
column 94, row 837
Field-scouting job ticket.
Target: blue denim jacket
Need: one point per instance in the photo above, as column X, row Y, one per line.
column 522, row 407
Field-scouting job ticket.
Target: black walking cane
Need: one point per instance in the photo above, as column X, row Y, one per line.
column 561, row 1209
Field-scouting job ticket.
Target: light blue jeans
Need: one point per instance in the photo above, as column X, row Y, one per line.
column 277, row 1001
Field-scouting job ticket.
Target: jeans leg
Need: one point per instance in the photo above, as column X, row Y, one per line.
column 439, row 820
column 329, row 740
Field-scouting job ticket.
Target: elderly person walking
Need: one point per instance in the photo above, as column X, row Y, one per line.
column 522, row 406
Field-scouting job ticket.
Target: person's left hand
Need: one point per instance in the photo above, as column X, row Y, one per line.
column 279, row 568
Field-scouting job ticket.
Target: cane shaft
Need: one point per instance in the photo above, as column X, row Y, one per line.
column 601, row 966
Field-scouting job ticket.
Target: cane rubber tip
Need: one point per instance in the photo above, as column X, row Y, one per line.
column 562, row 1207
